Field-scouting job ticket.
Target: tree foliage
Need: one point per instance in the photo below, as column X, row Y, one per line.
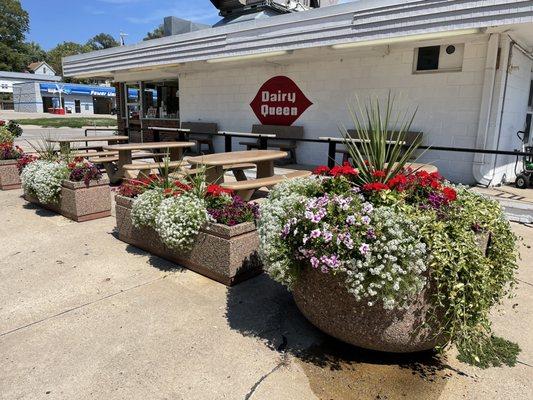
column 102, row 41
column 14, row 23
column 63, row 50
column 157, row 33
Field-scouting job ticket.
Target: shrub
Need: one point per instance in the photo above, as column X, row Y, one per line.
column 14, row 128
column 179, row 220
column 43, row 179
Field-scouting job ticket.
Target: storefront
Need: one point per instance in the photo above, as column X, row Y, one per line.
column 148, row 104
column 73, row 98
column 469, row 73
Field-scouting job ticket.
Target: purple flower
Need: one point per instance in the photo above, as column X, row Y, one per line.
column 368, row 208
column 314, row 262
column 350, row 220
column 371, row 234
column 327, row 236
column 364, row 249
column 315, row 234
column 365, row 219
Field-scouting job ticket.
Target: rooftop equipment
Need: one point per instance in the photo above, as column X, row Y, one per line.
column 234, row 11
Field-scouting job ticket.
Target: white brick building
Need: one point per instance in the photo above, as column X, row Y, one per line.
column 466, row 65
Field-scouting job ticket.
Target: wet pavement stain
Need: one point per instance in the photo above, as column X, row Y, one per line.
column 337, row 371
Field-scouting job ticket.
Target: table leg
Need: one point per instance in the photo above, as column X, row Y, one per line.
column 175, row 153
column 214, row 174
column 265, row 169
column 124, row 157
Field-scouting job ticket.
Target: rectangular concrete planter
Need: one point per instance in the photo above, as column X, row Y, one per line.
column 80, row 202
column 9, row 175
column 227, row 254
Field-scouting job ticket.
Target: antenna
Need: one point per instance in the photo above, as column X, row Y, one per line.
column 123, row 38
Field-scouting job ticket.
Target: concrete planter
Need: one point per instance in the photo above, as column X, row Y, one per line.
column 227, row 254
column 80, row 202
column 9, row 175
column 325, row 302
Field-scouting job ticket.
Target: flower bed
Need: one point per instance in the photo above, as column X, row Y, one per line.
column 391, row 259
column 207, row 230
column 9, row 156
column 75, row 190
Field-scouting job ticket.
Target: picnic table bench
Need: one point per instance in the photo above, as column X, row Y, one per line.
column 118, row 172
column 284, row 139
column 65, row 144
column 246, row 188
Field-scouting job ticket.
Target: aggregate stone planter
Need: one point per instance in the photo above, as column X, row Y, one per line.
column 9, row 175
column 81, row 202
column 324, row 300
column 227, row 254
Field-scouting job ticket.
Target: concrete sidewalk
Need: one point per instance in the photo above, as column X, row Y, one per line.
column 85, row 316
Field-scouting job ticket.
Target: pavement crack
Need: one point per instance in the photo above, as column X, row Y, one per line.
column 282, row 362
column 81, row 306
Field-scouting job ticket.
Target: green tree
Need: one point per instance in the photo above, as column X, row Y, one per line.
column 33, row 52
column 14, row 23
column 157, row 33
column 63, row 50
column 102, row 41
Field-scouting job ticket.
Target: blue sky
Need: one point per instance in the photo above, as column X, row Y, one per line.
column 55, row 21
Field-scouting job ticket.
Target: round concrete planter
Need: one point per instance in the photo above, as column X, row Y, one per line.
column 324, row 300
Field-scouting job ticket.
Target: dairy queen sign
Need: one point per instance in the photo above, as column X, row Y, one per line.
column 279, row 102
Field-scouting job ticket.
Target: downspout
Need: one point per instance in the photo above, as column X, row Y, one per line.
column 506, row 81
column 487, row 99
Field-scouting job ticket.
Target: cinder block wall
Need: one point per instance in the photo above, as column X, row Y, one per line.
column 449, row 102
column 27, row 98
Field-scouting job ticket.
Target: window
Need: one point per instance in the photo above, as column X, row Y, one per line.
column 428, row 58
column 161, row 100
column 445, row 58
column 44, row 70
column 133, row 101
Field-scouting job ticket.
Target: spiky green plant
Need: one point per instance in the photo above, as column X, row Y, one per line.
column 380, row 140
column 46, row 149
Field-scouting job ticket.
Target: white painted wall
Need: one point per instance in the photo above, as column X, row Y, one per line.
column 6, row 85
column 44, row 69
column 449, row 103
column 514, row 113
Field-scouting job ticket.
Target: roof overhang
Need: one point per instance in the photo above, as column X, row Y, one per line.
column 343, row 24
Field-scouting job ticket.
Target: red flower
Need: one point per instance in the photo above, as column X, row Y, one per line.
column 379, row 174
column 345, row 170
column 398, row 182
column 449, row 193
column 321, row 170
column 182, row 186
column 375, row 187
column 216, row 190
column 435, row 184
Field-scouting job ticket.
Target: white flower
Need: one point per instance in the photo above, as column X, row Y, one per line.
column 44, row 179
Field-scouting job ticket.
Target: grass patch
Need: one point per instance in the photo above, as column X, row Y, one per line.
column 69, row 122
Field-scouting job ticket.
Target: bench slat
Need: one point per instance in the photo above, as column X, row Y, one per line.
column 264, row 182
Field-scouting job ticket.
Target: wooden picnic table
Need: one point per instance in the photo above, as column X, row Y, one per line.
column 65, row 143
column 214, row 163
column 175, row 153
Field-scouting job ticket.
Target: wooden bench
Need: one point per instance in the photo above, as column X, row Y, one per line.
column 246, row 189
column 95, row 154
column 409, row 138
column 282, row 141
column 201, row 133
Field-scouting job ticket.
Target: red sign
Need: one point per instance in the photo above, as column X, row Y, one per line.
column 279, row 102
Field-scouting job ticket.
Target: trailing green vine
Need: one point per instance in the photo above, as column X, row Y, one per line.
column 468, row 281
